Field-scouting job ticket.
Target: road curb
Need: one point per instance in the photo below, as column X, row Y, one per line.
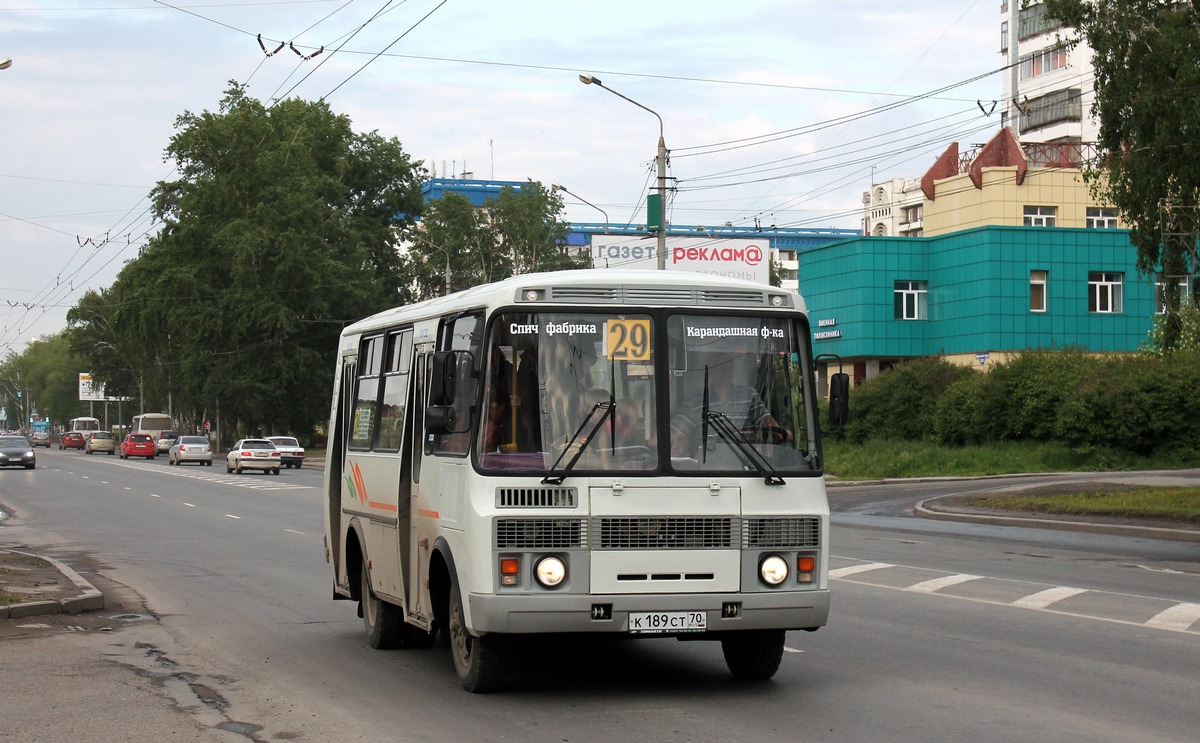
column 931, row 509
column 88, row 598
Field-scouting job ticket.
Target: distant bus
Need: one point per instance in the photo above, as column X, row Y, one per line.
column 83, row 425
column 152, row 423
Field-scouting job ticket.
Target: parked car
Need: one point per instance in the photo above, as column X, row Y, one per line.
column 100, row 441
column 290, row 451
column 40, row 438
column 17, row 451
column 257, row 454
column 138, row 445
column 190, row 449
column 165, row 440
column 71, row 440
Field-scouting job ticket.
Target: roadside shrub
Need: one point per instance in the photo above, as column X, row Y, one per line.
column 960, row 416
column 900, row 402
column 1028, row 391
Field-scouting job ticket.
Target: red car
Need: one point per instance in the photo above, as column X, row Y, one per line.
column 138, row 445
column 71, row 440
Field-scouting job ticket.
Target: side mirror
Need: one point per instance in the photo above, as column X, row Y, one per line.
column 439, row 420
column 441, row 378
column 839, row 399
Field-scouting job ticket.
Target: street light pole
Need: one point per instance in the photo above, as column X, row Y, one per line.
column 661, row 163
column 557, row 187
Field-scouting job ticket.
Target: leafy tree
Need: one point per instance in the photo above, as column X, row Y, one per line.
column 280, row 229
column 1144, row 54
column 47, row 375
column 519, row 231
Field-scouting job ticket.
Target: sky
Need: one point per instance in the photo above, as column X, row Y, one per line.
column 775, row 112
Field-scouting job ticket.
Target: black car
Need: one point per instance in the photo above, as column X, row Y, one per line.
column 16, row 451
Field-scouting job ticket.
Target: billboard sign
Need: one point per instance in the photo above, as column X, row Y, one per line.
column 90, row 390
column 736, row 258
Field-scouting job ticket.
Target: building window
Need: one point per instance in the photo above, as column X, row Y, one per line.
column 912, row 213
column 1037, row 291
column 1101, row 218
column 1104, row 291
column 1160, row 298
column 1004, row 37
column 1040, row 216
column 1033, row 21
column 1041, row 63
column 910, row 299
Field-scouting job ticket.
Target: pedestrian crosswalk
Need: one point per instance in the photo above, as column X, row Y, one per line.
column 1146, row 611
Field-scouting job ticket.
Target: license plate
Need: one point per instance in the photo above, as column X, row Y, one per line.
column 649, row 622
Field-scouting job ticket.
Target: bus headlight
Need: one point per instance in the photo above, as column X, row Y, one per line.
column 551, row 571
column 773, row 570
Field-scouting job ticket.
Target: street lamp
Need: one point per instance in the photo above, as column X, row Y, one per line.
column 661, row 162
column 564, row 190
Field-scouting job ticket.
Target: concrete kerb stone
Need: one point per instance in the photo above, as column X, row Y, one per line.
column 88, row 597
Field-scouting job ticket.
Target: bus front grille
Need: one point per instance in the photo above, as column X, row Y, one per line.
column 781, row 532
column 664, row 533
column 512, row 534
column 563, row 497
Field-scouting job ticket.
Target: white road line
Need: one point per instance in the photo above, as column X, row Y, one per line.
column 1179, row 616
column 230, row 515
column 1042, row 599
column 152, row 495
column 293, row 531
column 189, row 505
column 853, row 569
column 937, row 584
column 791, row 650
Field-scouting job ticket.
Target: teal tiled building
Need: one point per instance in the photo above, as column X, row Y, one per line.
column 975, row 296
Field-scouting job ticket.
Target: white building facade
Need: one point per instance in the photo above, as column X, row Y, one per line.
column 1048, row 89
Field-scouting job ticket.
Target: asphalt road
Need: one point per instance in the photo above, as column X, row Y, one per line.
column 938, row 631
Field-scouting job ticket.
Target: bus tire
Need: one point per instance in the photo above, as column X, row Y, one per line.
column 478, row 661
column 753, row 654
column 383, row 621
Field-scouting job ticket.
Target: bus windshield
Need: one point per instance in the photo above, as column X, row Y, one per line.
column 580, row 391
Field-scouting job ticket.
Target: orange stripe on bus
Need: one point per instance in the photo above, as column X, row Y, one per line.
column 428, row 514
column 382, row 506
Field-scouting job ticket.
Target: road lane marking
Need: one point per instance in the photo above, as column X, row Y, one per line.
column 1178, row 617
column 293, row 531
column 937, row 584
column 854, row 569
column 1042, row 599
column 189, row 505
column 230, row 515
column 153, row 495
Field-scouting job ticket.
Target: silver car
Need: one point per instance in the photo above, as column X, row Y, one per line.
column 290, row 450
column 253, row 454
column 100, row 441
column 190, row 449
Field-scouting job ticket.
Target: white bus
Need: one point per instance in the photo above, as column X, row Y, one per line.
column 84, row 425
column 619, row 452
column 152, row 423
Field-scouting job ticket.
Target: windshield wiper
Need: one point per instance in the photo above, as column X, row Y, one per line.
column 608, row 409
column 735, row 438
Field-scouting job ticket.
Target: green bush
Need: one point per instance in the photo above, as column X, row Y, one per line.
column 960, row 416
column 1030, row 389
column 900, row 402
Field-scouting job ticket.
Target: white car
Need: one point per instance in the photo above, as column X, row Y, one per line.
column 190, row 449
column 253, row 454
column 290, row 450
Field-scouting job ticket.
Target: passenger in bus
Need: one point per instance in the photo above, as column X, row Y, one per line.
column 731, row 396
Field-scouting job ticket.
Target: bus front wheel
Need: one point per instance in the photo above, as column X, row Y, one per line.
column 382, row 620
column 478, row 661
column 753, row 654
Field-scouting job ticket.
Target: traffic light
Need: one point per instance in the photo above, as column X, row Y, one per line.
column 20, row 394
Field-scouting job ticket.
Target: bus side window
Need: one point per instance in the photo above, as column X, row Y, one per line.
column 464, row 334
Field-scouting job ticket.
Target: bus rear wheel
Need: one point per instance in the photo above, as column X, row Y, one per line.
column 753, row 654
column 478, row 661
column 383, row 621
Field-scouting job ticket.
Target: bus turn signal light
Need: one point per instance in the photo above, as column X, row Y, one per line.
column 806, row 565
column 510, row 567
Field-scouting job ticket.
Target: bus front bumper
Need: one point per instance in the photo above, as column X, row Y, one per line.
column 534, row 613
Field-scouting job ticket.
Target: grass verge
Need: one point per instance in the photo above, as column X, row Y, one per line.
column 1166, row 503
